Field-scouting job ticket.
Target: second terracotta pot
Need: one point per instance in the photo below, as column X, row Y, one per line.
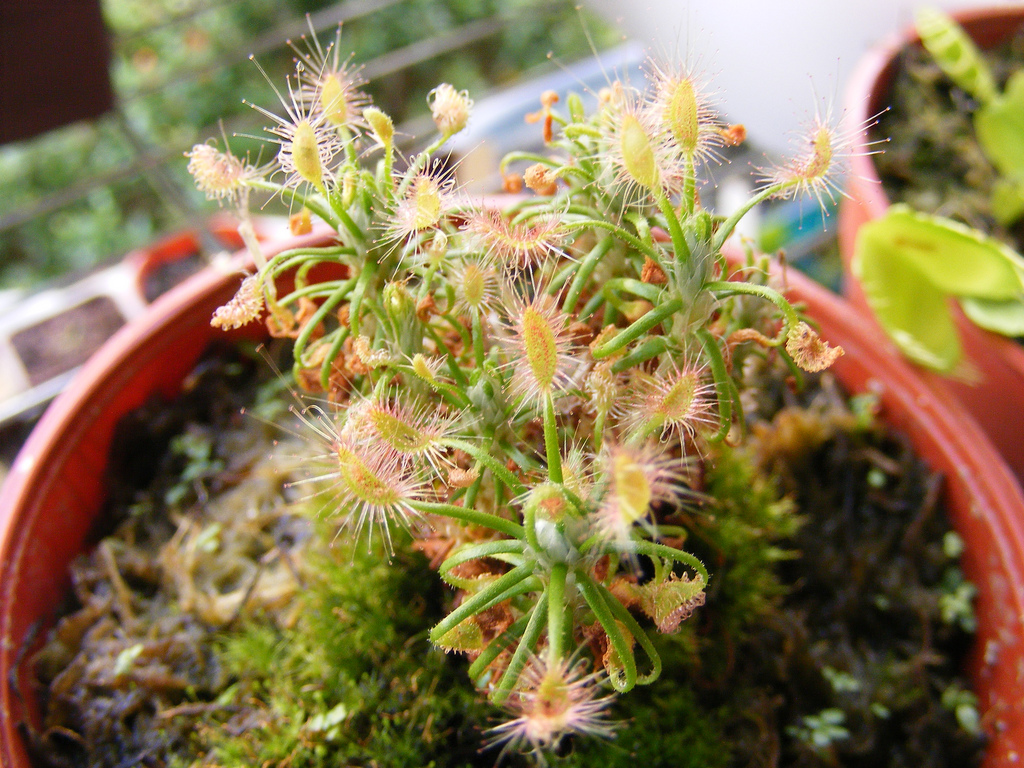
column 996, row 401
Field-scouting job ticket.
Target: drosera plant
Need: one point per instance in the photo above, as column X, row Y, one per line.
column 913, row 265
column 528, row 392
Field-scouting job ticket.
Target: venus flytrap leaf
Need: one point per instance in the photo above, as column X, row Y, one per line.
column 999, row 126
column 955, row 52
column 910, row 265
column 1004, row 317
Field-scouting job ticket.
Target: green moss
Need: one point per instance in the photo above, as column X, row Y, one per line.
column 354, row 681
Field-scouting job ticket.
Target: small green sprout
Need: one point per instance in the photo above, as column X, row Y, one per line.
column 964, row 705
column 822, row 730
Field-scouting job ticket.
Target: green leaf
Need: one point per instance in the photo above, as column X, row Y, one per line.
column 913, row 312
column 911, row 265
column 1007, row 200
column 999, row 125
column 1005, row 317
column 953, row 257
column 955, row 52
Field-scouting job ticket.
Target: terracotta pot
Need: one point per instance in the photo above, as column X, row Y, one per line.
column 55, row 487
column 997, row 400
column 54, row 491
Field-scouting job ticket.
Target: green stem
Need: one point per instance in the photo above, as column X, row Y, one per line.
column 526, row 157
column 315, row 205
column 472, row 516
column 327, row 365
column 499, row 470
column 345, row 219
column 621, row 234
column 599, row 421
column 476, row 552
column 726, row 227
column 318, row 290
column 307, row 330
column 648, row 349
column 682, row 251
column 495, row 647
column 592, row 594
column 551, row 444
column 530, row 526
column 523, row 651
column 469, row 501
column 293, row 257
column 630, row 334
column 619, row 612
column 689, row 186
column 584, row 271
column 631, row 285
column 362, row 285
column 557, row 613
column 653, row 549
column 478, row 341
column 723, row 288
column 482, row 600
column 723, row 382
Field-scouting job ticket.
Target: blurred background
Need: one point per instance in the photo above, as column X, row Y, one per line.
column 75, row 195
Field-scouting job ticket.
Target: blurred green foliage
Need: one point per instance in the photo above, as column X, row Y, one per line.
column 90, row 192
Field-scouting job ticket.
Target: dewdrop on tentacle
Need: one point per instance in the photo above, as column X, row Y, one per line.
column 636, row 478
column 514, row 247
column 816, row 168
column 220, row 175
column 308, row 143
column 640, row 148
column 365, row 482
column 245, row 306
column 538, row 347
column 678, row 402
column 328, row 83
column 426, row 202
